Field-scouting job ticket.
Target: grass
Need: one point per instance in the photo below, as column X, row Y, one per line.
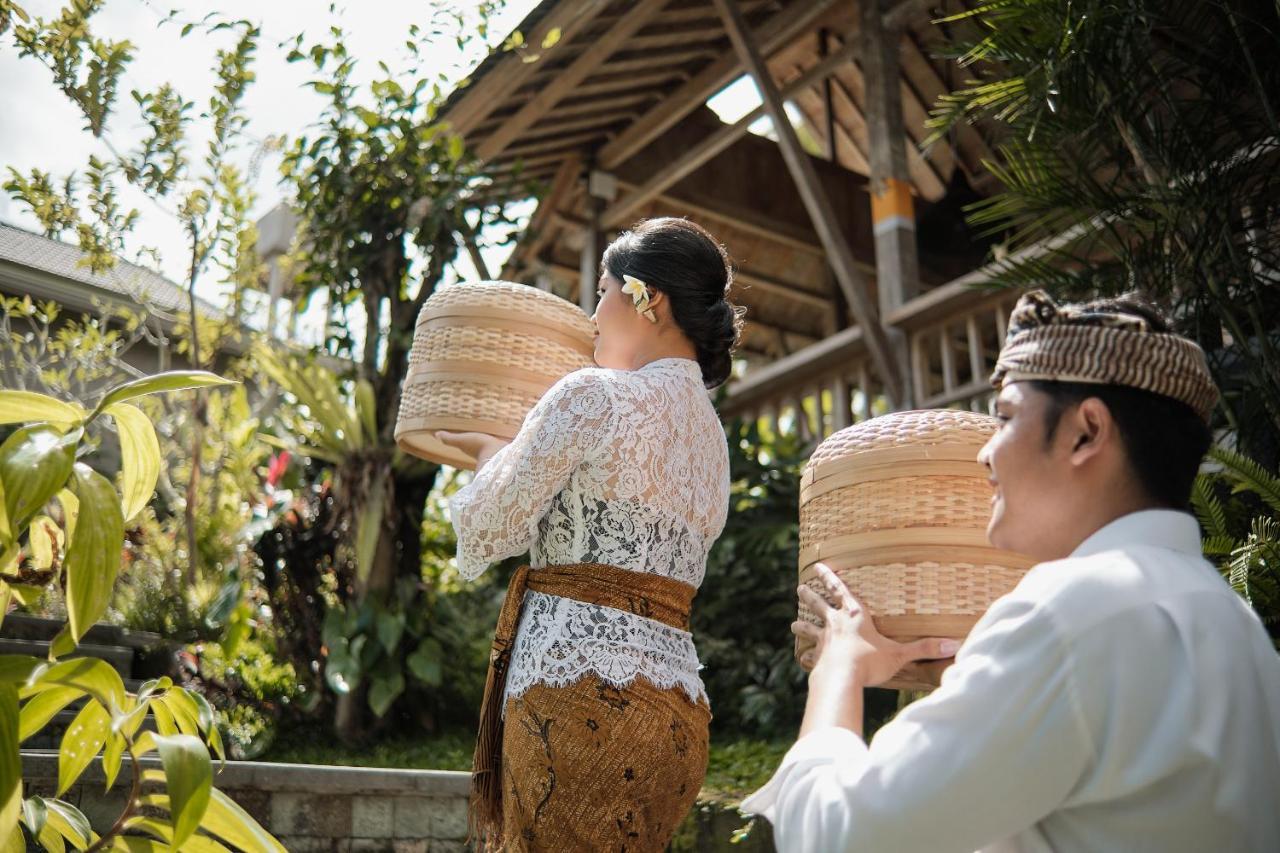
column 736, row 767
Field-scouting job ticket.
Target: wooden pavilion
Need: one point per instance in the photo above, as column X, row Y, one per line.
column 852, row 254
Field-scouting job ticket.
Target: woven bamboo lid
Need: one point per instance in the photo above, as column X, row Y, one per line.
column 898, row 506
column 483, row 354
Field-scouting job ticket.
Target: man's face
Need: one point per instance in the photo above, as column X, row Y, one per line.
column 1031, row 477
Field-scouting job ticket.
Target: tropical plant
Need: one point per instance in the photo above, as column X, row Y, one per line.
column 63, row 522
column 1238, row 505
column 44, row 349
column 1141, row 144
column 742, row 617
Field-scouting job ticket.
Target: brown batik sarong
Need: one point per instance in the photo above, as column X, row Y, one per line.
column 587, row 766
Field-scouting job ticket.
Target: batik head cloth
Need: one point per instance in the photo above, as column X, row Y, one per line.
column 1079, row 343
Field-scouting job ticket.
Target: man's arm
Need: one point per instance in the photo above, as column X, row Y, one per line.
column 999, row 746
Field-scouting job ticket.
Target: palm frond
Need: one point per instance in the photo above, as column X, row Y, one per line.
column 1208, row 508
column 1248, row 475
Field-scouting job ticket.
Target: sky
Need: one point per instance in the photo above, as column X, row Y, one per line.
column 39, row 128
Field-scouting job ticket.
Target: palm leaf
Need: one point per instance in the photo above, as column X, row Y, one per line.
column 1248, row 475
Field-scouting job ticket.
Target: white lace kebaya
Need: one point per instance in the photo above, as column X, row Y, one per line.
column 623, row 467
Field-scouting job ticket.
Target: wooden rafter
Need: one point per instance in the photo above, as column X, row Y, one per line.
column 542, row 224
column 489, row 91
column 777, row 31
column 569, row 78
column 839, row 254
column 716, row 143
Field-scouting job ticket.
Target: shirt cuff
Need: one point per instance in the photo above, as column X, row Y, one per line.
column 834, row 745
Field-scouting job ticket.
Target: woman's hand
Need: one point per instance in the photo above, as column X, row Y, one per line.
column 479, row 445
column 848, row 640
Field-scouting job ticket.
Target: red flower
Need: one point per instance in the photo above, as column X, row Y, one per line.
column 279, row 464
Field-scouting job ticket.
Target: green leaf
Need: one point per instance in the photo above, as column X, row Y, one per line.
column 81, row 743
column 137, row 844
column 71, row 823
column 390, row 628
column 17, row 668
column 112, row 757
column 10, row 759
column 383, row 692
column 14, row 843
column 165, row 723
column 20, row 407
column 34, row 814
column 26, row 594
column 341, row 670
column 35, row 463
column 186, row 714
column 44, row 538
column 62, row 644
column 43, row 707
column 173, row 380
column 70, row 512
column 93, row 557
column 369, row 527
column 367, row 409
column 164, row 831
column 90, row 675
column 189, row 779
column 426, row 662
column 209, row 726
column 7, row 532
column 225, row 819
column 139, row 457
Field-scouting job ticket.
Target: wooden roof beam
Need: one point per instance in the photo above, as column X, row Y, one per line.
column 717, row 142
column 776, row 32
column 784, row 290
column 542, row 224
column 487, row 93
column 569, row 78
column 855, row 287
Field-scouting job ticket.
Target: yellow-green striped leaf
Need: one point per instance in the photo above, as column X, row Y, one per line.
column 93, row 556
column 139, row 457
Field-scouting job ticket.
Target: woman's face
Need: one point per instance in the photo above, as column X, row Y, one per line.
column 620, row 328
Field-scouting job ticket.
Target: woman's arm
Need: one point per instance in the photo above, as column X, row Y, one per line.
column 497, row 514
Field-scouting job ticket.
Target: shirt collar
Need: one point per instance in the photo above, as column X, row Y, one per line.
column 682, row 365
column 1163, row 528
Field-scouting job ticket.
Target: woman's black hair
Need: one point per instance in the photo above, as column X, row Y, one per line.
column 682, row 260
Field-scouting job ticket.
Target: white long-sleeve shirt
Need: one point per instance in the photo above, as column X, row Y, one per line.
column 624, row 467
column 1124, row 698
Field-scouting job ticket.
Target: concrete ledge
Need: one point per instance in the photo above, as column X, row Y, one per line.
column 307, row 807
column 43, row 764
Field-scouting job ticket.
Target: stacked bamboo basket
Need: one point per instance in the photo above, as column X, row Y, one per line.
column 898, row 506
column 483, row 354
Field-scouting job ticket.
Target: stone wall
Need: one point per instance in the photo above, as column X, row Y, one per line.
column 309, row 808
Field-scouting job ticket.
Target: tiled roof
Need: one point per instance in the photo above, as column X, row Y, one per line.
column 137, row 283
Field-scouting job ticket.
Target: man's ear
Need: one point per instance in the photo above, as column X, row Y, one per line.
column 1090, row 428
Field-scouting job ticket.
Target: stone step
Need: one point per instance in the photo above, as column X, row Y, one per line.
column 23, row 626
column 153, row 655
column 120, row 657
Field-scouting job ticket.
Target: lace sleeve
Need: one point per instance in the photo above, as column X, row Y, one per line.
column 496, row 515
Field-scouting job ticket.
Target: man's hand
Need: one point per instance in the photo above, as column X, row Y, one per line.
column 479, row 445
column 849, row 654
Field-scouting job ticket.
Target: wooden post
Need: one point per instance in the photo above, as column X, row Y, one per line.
column 589, row 266
column 817, row 204
column 841, row 404
column 892, row 209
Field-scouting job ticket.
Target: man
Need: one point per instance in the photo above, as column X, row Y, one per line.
column 1122, row 697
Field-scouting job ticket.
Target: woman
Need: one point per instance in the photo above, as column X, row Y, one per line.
column 617, row 485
